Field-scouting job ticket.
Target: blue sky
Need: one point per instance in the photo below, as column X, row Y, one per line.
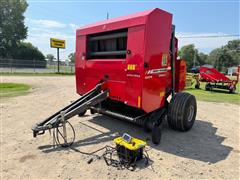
column 60, row 18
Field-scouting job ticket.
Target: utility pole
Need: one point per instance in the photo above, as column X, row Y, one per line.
column 195, row 58
column 107, row 15
column 58, row 60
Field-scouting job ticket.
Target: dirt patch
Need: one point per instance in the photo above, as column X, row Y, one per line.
column 209, row 151
column 26, row 157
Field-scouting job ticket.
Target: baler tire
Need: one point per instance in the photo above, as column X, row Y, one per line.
column 92, row 111
column 197, row 86
column 156, row 135
column 82, row 113
column 182, row 112
column 146, row 125
column 211, row 88
column 146, row 129
column 232, row 90
column 208, row 87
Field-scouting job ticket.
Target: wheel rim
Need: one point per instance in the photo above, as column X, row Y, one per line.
column 190, row 113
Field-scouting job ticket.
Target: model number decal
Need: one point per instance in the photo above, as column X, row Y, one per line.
column 133, row 75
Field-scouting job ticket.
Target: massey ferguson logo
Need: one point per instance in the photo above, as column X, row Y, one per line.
column 156, row 71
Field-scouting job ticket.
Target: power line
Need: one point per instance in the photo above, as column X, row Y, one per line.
column 133, row 1
column 207, row 36
column 211, row 36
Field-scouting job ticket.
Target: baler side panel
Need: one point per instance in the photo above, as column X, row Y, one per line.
column 90, row 71
column 134, row 66
column 80, row 64
column 157, row 57
column 114, row 70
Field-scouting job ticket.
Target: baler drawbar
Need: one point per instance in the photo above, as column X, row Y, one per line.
column 79, row 106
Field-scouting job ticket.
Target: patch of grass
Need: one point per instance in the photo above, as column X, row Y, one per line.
column 35, row 74
column 216, row 95
column 13, row 89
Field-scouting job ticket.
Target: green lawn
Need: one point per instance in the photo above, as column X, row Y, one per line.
column 13, row 89
column 33, row 74
column 216, row 95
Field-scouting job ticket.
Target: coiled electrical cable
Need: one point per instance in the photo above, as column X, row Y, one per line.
column 108, row 154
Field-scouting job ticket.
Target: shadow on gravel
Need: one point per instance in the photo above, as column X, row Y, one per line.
column 200, row 143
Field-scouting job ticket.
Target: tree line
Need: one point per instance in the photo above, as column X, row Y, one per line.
column 220, row 58
column 13, row 32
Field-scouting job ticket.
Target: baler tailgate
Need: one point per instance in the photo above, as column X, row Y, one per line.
column 91, row 98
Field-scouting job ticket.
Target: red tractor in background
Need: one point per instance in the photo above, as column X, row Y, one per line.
column 127, row 68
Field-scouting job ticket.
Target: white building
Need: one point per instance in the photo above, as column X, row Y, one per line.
column 232, row 70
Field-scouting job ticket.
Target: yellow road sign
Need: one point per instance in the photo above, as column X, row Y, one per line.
column 57, row 43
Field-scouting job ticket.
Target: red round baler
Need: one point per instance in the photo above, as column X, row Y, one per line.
column 127, row 68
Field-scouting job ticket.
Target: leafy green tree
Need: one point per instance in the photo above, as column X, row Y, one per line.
column 191, row 54
column 202, row 58
column 214, row 56
column 221, row 58
column 71, row 57
column 50, row 57
column 233, row 48
column 225, row 60
column 30, row 55
column 187, row 53
column 27, row 51
column 12, row 28
column 226, row 56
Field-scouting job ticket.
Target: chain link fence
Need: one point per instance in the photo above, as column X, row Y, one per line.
column 35, row 66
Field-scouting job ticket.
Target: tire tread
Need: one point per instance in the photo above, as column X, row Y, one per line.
column 177, row 108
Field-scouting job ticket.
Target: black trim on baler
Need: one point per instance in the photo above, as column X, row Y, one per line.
column 97, row 37
column 108, row 53
column 172, row 53
column 107, row 45
column 121, row 111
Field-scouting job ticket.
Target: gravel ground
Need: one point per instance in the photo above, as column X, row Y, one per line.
column 209, row 151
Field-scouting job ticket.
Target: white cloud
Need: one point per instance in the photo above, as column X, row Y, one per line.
column 46, row 23
column 73, row 26
column 41, row 30
column 40, row 37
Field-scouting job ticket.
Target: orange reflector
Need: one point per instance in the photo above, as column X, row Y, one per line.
column 139, row 101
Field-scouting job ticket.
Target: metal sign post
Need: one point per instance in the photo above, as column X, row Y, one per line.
column 58, row 70
column 57, row 43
